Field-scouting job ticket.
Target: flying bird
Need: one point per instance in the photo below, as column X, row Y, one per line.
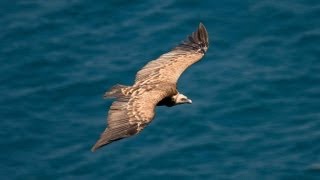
column 155, row 85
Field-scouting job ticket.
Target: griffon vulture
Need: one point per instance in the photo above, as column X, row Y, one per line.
column 155, row 85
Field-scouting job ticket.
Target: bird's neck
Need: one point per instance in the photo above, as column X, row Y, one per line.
column 167, row 101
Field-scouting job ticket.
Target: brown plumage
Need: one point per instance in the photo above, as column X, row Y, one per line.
column 155, row 84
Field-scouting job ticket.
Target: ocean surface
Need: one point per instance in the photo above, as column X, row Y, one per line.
column 256, row 93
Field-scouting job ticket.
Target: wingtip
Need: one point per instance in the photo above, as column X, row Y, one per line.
column 202, row 28
column 93, row 149
column 203, row 34
column 197, row 41
column 201, row 25
column 101, row 142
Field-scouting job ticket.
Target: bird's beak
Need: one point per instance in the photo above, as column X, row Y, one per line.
column 189, row 101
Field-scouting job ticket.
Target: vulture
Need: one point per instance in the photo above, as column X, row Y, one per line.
column 155, row 85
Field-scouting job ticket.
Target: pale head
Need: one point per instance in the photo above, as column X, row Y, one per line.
column 181, row 99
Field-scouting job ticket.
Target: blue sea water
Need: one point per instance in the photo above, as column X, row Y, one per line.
column 256, row 93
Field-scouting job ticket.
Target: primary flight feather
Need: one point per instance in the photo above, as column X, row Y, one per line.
column 155, row 85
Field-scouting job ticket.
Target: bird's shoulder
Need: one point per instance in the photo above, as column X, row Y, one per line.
column 161, row 88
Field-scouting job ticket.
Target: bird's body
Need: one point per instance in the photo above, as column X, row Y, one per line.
column 155, row 85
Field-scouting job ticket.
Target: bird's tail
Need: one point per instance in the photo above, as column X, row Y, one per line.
column 115, row 91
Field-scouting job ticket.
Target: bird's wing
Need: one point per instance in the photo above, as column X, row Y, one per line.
column 132, row 110
column 169, row 66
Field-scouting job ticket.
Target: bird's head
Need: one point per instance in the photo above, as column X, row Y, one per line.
column 181, row 99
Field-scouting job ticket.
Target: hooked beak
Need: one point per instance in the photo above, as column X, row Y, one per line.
column 189, row 101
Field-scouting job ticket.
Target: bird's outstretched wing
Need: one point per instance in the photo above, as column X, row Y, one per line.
column 132, row 110
column 169, row 66
column 134, row 106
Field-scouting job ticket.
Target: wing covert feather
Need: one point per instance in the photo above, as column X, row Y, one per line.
column 130, row 113
column 169, row 66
